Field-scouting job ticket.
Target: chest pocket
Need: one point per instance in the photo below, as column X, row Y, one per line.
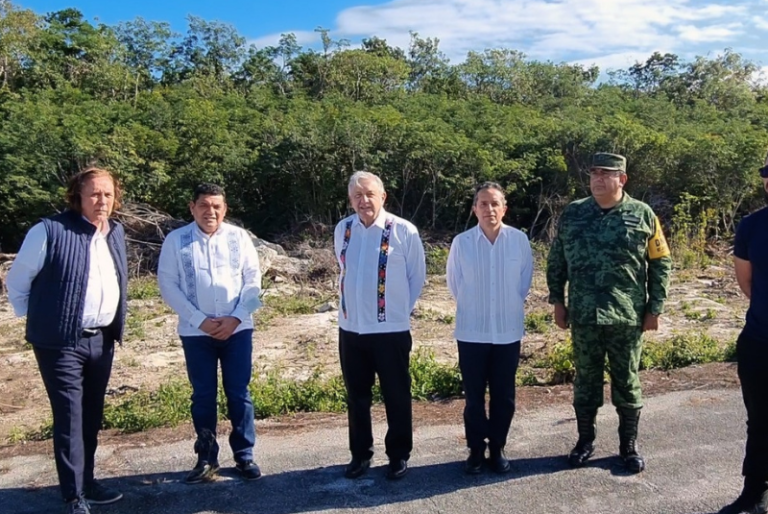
column 636, row 234
column 580, row 241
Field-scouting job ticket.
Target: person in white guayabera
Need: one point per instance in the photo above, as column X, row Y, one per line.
column 209, row 274
column 489, row 273
column 382, row 274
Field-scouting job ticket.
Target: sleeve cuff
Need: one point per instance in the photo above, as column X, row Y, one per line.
column 553, row 299
column 656, row 308
column 20, row 310
column 197, row 319
column 241, row 314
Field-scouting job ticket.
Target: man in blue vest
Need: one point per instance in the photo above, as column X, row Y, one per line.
column 70, row 279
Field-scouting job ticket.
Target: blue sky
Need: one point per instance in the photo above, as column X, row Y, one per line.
column 609, row 33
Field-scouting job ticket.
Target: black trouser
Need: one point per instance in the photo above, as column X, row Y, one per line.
column 752, row 359
column 387, row 355
column 76, row 380
column 494, row 366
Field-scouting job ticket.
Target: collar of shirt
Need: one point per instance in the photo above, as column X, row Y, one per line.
column 100, row 233
column 378, row 222
column 206, row 237
column 479, row 234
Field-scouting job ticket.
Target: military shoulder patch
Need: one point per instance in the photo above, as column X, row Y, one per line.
column 657, row 245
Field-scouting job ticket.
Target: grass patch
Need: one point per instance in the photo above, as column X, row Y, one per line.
column 288, row 305
column 526, row 377
column 538, row 322
column 272, row 395
column 17, row 435
column 685, row 349
column 679, row 351
column 143, row 288
column 433, row 315
column 168, row 406
column 559, row 360
column 437, row 259
column 431, row 380
column 44, row 432
column 135, row 320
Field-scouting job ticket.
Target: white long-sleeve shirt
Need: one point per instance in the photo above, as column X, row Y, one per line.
column 490, row 283
column 102, row 293
column 381, row 277
column 202, row 276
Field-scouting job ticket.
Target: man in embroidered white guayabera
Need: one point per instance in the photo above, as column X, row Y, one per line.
column 209, row 274
column 489, row 273
column 382, row 274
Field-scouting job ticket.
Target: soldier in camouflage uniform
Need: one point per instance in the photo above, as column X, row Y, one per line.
column 610, row 250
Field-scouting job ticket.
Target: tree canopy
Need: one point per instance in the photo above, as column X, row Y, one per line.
column 282, row 127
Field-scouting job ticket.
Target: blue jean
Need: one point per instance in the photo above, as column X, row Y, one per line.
column 203, row 354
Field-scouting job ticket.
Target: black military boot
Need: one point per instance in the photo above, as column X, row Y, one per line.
column 753, row 498
column 585, row 423
column 628, row 420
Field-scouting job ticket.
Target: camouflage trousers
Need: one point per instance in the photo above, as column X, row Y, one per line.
column 623, row 345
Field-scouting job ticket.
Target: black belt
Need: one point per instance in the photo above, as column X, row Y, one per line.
column 90, row 332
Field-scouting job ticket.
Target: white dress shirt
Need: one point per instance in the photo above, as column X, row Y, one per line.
column 102, row 294
column 359, row 284
column 202, row 276
column 490, row 283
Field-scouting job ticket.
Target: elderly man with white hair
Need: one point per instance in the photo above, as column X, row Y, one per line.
column 382, row 274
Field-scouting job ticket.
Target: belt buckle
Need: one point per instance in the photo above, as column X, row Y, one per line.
column 90, row 332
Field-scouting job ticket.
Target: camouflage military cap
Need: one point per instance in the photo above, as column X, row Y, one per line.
column 609, row 161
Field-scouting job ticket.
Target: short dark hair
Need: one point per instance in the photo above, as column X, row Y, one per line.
column 488, row 185
column 208, row 189
column 78, row 180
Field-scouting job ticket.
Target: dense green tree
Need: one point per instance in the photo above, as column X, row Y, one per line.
column 282, row 127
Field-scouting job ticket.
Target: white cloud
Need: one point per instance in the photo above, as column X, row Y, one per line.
column 600, row 31
column 710, row 33
column 303, row 38
column 761, row 76
column 760, row 22
column 620, row 60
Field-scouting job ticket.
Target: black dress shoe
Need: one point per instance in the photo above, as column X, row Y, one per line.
column 397, row 469
column 749, row 501
column 357, row 467
column 249, row 469
column 474, row 463
column 97, row 494
column 203, row 471
column 499, row 462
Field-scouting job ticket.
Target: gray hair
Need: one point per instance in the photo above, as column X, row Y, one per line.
column 489, row 185
column 360, row 176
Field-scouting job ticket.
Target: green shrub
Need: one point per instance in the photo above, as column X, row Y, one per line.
column 437, row 258
column 431, row 380
column 538, row 322
column 683, row 350
column 560, row 362
column 143, row 288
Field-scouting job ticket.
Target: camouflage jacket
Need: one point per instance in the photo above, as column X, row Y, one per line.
column 617, row 264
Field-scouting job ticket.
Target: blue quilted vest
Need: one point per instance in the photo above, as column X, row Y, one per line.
column 57, row 296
